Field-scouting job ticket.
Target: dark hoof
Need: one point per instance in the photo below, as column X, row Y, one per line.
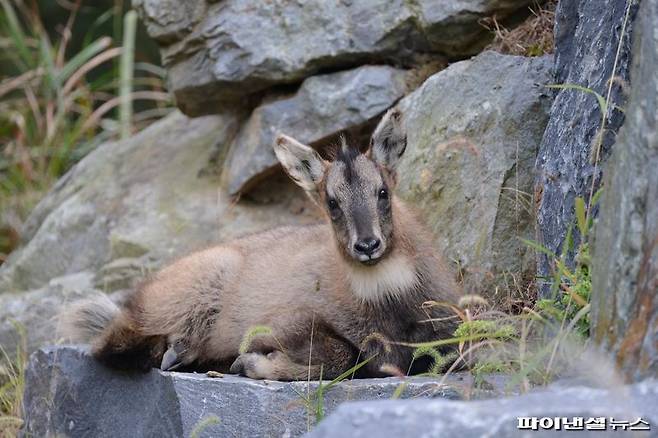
column 170, row 360
column 237, row 367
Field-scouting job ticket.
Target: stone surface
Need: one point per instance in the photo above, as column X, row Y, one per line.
column 473, row 132
column 439, row 418
column 129, row 206
column 167, row 21
column 124, row 199
column 322, row 106
column 241, row 47
column 625, row 254
column 28, row 319
column 67, row 393
column 587, row 36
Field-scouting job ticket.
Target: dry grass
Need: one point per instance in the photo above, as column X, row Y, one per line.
column 12, row 383
column 533, row 37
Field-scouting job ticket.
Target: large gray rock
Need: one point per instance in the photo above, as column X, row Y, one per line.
column 235, row 48
column 322, row 106
column 500, row 417
column 587, row 36
column 125, row 199
column 131, row 205
column 473, row 132
column 67, row 393
column 625, row 254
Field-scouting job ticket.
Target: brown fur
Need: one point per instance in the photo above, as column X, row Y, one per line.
column 297, row 281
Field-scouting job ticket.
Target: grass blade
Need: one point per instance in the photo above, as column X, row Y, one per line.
column 538, row 247
column 127, row 69
column 603, row 105
column 581, row 216
column 98, row 22
column 18, row 36
column 82, row 57
column 153, row 69
column 348, row 373
column 48, row 60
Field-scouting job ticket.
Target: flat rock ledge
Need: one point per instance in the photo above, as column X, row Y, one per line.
column 68, row 393
column 500, row 417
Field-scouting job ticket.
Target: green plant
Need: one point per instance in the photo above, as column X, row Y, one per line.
column 575, row 291
column 566, row 312
column 571, row 286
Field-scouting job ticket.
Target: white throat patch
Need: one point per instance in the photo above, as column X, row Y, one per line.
column 392, row 277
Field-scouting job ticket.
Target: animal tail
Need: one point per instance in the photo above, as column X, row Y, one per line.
column 114, row 334
column 85, row 320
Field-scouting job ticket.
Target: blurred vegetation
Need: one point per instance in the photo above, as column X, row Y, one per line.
column 66, row 85
column 12, row 384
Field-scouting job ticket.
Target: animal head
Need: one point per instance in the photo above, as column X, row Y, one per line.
column 355, row 189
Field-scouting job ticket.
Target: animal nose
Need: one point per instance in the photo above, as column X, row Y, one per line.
column 367, row 246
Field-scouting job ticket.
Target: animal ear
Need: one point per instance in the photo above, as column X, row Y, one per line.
column 302, row 163
column 389, row 140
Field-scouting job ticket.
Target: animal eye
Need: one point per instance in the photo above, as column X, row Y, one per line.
column 334, row 209
column 383, row 194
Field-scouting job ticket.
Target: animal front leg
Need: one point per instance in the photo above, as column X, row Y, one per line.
column 273, row 366
column 330, row 357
